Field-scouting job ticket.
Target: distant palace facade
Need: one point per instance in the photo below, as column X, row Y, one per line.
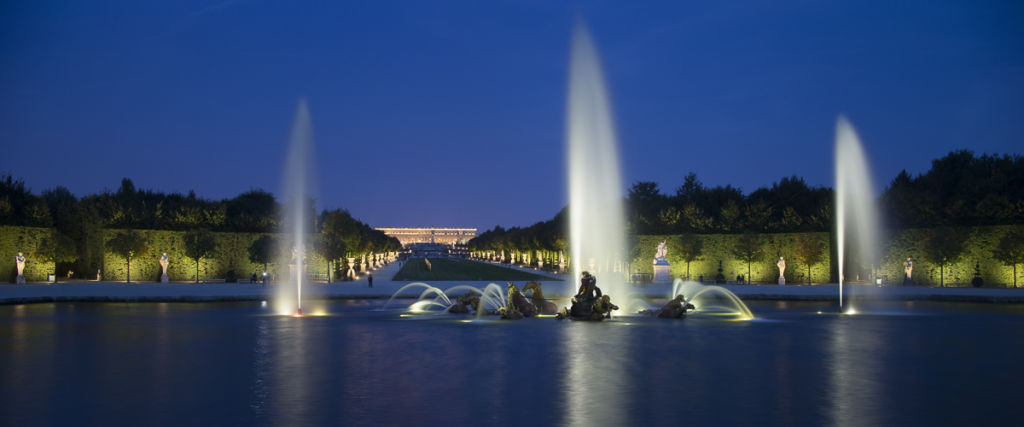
column 445, row 236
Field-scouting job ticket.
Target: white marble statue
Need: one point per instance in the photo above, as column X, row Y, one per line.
column 20, row 261
column 163, row 267
column 782, row 270
column 662, row 251
column 908, row 268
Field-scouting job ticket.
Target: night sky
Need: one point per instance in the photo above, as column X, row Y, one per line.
column 430, row 113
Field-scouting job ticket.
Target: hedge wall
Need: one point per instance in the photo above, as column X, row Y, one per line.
column 232, row 254
column 718, row 247
column 14, row 239
column 978, row 250
column 897, row 246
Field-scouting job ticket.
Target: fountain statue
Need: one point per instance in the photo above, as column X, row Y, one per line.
column 517, row 306
column 674, row 309
column 542, row 305
column 782, row 270
column 19, row 260
column 589, row 303
column 466, row 303
column 163, row 268
column 662, row 268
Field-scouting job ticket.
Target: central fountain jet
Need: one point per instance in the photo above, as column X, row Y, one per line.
column 596, row 212
column 857, row 223
column 298, row 176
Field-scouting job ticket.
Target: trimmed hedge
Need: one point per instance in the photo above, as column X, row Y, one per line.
column 232, row 256
column 718, row 247
column 896, row 248
column 14, row 239
column 978, row 250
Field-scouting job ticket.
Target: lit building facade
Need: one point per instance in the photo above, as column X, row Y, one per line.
column 444, row 236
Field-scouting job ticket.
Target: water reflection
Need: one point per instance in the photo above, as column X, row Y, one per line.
column 225, row 364
column 291, row 370
column 260, row 365
column 593, row 380
column 854, row 371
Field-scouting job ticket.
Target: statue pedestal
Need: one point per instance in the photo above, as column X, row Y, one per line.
column 20, row 280
column 164, row 279
column 662, row 273
column 782, row 280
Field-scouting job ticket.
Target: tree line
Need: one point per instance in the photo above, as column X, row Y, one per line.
column 77, row 241
column 959, row 189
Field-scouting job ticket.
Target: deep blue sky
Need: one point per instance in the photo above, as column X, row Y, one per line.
column 452, row 113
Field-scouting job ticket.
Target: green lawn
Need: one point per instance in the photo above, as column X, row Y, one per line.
column 415, row 269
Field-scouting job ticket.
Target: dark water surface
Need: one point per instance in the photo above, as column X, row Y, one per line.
column 232, row 364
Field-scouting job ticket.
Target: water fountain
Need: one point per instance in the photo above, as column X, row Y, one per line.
column 596, row 212
column 434, row 300
column 711, row 298
column 298, row 175
column 857, row 222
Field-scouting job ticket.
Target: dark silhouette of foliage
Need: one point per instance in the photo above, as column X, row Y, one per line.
column 261, row 251
column 57, row 248
column 959, row 189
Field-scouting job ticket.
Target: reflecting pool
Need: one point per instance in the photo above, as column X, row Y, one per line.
column 236, row 363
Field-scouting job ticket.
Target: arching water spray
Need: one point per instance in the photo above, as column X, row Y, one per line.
column 711, row 298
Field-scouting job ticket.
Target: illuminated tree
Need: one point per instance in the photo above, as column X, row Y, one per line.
column 689, row 247
column 810, row 251
column 943, row 246
column 127, row 244
column 748, row 249
column 1010, row 251
column 330, row 242
column 199, row 244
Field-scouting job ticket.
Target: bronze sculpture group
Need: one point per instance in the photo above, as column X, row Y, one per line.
column 589, row 303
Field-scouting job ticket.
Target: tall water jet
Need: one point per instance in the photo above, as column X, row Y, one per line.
column 856, row 214
column 298, row 177
column 596, row 213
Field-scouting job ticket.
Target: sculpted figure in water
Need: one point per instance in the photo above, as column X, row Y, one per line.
column 674, row 309
column 589, row 303
column 542, row 305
